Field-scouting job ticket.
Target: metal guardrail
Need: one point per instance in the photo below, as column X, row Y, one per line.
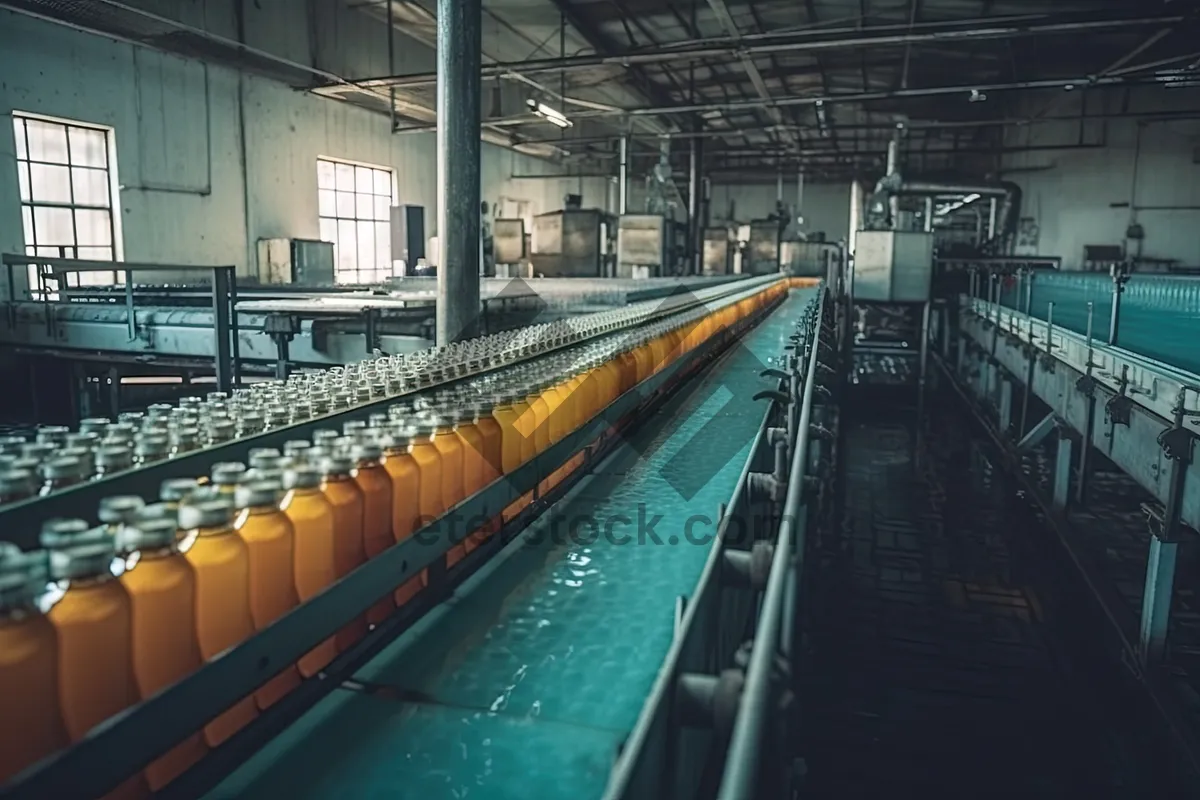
column 655, row 761
column 128, row 741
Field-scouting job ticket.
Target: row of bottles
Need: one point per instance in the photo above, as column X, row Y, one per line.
column 109, row 615
column 58, row 458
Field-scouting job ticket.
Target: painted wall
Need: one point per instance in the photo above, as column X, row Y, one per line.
column 826, row 205
column 1091, row 196
column 211, row 160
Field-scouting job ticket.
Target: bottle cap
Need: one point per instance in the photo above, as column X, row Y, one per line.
column 120, row 509
column 38, row 450
column 366, row 451
column 18, row 482
column 302, row 477
column 336, row 465
column 258, row 493
column 227, row 473
column 205, row 514
column 113, row 458
column 86, row 553
column 88, row 440
column 297, row 448
column 263, row 457
column 64, row 468
column 152, row 447
column 52, row 434
column 22, row 575
column 350, row 426
column 150, row 531
column 61, row 531
column 175, row 490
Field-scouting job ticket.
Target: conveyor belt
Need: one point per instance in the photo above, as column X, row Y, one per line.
column 1160, row 315
column 944, row 666
column 526, row 684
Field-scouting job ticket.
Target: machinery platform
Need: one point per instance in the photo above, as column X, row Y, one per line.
column 528, row 681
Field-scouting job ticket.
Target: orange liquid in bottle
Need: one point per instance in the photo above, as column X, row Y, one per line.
column 343, row 494
column 515, row 420
column 221, row 562
column 28, row 668
column 311, row 516
column 429, row 486
column 450, row 453
column 372, row 479
column 93, row 625
column 162, row 600
column 472, row 477
column 491, row 463
column 270, row 544
column 405, row 475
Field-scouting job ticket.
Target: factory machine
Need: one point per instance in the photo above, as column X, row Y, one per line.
column 645, row 246
column 516, row 630
column 720, row 246
column 572, row 243
column 761, row 256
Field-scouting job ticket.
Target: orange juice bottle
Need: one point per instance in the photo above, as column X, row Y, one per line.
column 270, row 542
column 226, row 476
column 472, row 474
column 541, row 411
column 343, row 494
column 28, row 665
column 405, row 476
column 376, row 486
column 162, row 599
column 93, row 628
column 315, row 560
column 431, row 500
column 453, row 465
column 491, row 443
column 221, row 562
column 512, row 414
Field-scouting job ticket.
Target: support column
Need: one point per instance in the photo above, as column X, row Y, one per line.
column 1062, row 471
column 623, row 176
column 1156, row 599
column 695, row 231
column 459, row 51
column 1005, row 406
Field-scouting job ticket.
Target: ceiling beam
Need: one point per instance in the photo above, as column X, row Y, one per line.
column 813, row 41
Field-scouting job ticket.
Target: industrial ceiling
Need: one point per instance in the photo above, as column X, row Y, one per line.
column 759, row 84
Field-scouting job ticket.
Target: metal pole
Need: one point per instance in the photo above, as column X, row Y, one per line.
column 459, row 43
column 991, row 219
column 220, row 300
column 1081, row 486
column 623, row 177
column 693, row 205
column 929, row 214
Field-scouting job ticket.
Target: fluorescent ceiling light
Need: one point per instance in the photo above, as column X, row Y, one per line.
column 550, row 114
column 971, row 198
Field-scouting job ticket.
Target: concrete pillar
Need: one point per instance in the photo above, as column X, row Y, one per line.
column 1062, row 472
column 1156, row 599
column 1005, row 406
column 459, row 51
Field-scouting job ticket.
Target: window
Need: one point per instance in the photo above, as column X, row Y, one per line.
column 64, row 170
column 354, row 203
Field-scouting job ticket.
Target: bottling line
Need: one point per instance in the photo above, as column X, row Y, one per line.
column 424, row 553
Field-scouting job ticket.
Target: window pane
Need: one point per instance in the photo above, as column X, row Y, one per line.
column 329, row 230
column 47, row 141
column 364, row 206
column 96, row 278
column 27, row 224
column 50, row 184
column 93, row 227
column 383, row 246
column 91, row 186
column 366, row 245
column 96, row 254
column 362, row 180
column 54, row 227
column 326, row 206
column 23, row 179
column 383, row 208
column 347, row 246
column 88, row 147
column 19, row 137
column 345, row 204
column 383, row 183
column 325, row 179
column 345, row 177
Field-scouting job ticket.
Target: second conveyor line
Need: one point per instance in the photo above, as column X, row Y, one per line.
column 527, row 682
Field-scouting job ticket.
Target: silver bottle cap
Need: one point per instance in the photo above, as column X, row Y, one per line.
column 66, row 468
column 366, row 452
column 176, row 490
column 302, row 477
column 336, row 465
column 205, row 514
column 151, row 532
column 263, row 457
column 228, row 473
column 120, row 509
column 258, row 494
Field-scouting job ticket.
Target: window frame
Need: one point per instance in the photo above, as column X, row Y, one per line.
column 336, row 218
column 112, row 189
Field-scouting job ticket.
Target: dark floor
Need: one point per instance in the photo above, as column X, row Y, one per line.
column 941, row 664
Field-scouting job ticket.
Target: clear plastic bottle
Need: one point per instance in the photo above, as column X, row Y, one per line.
column 346, row 498
column 162, row 597
column 28, row 665
column 221, row 562
column 111, row 459
column 270, row 540
column 93, row 625
column 376, row 486
column 61, row 473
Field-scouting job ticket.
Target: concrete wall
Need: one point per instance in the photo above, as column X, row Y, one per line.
column 826, row 205
column 211, row 160
column 1090, row 196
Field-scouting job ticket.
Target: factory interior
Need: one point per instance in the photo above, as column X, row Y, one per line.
column 591, row 399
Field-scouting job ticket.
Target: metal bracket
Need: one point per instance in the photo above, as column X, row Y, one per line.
column 1118, row 408
column 1176, row 444
column 1086, row 385
column 749, row 567
column 773, row 394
